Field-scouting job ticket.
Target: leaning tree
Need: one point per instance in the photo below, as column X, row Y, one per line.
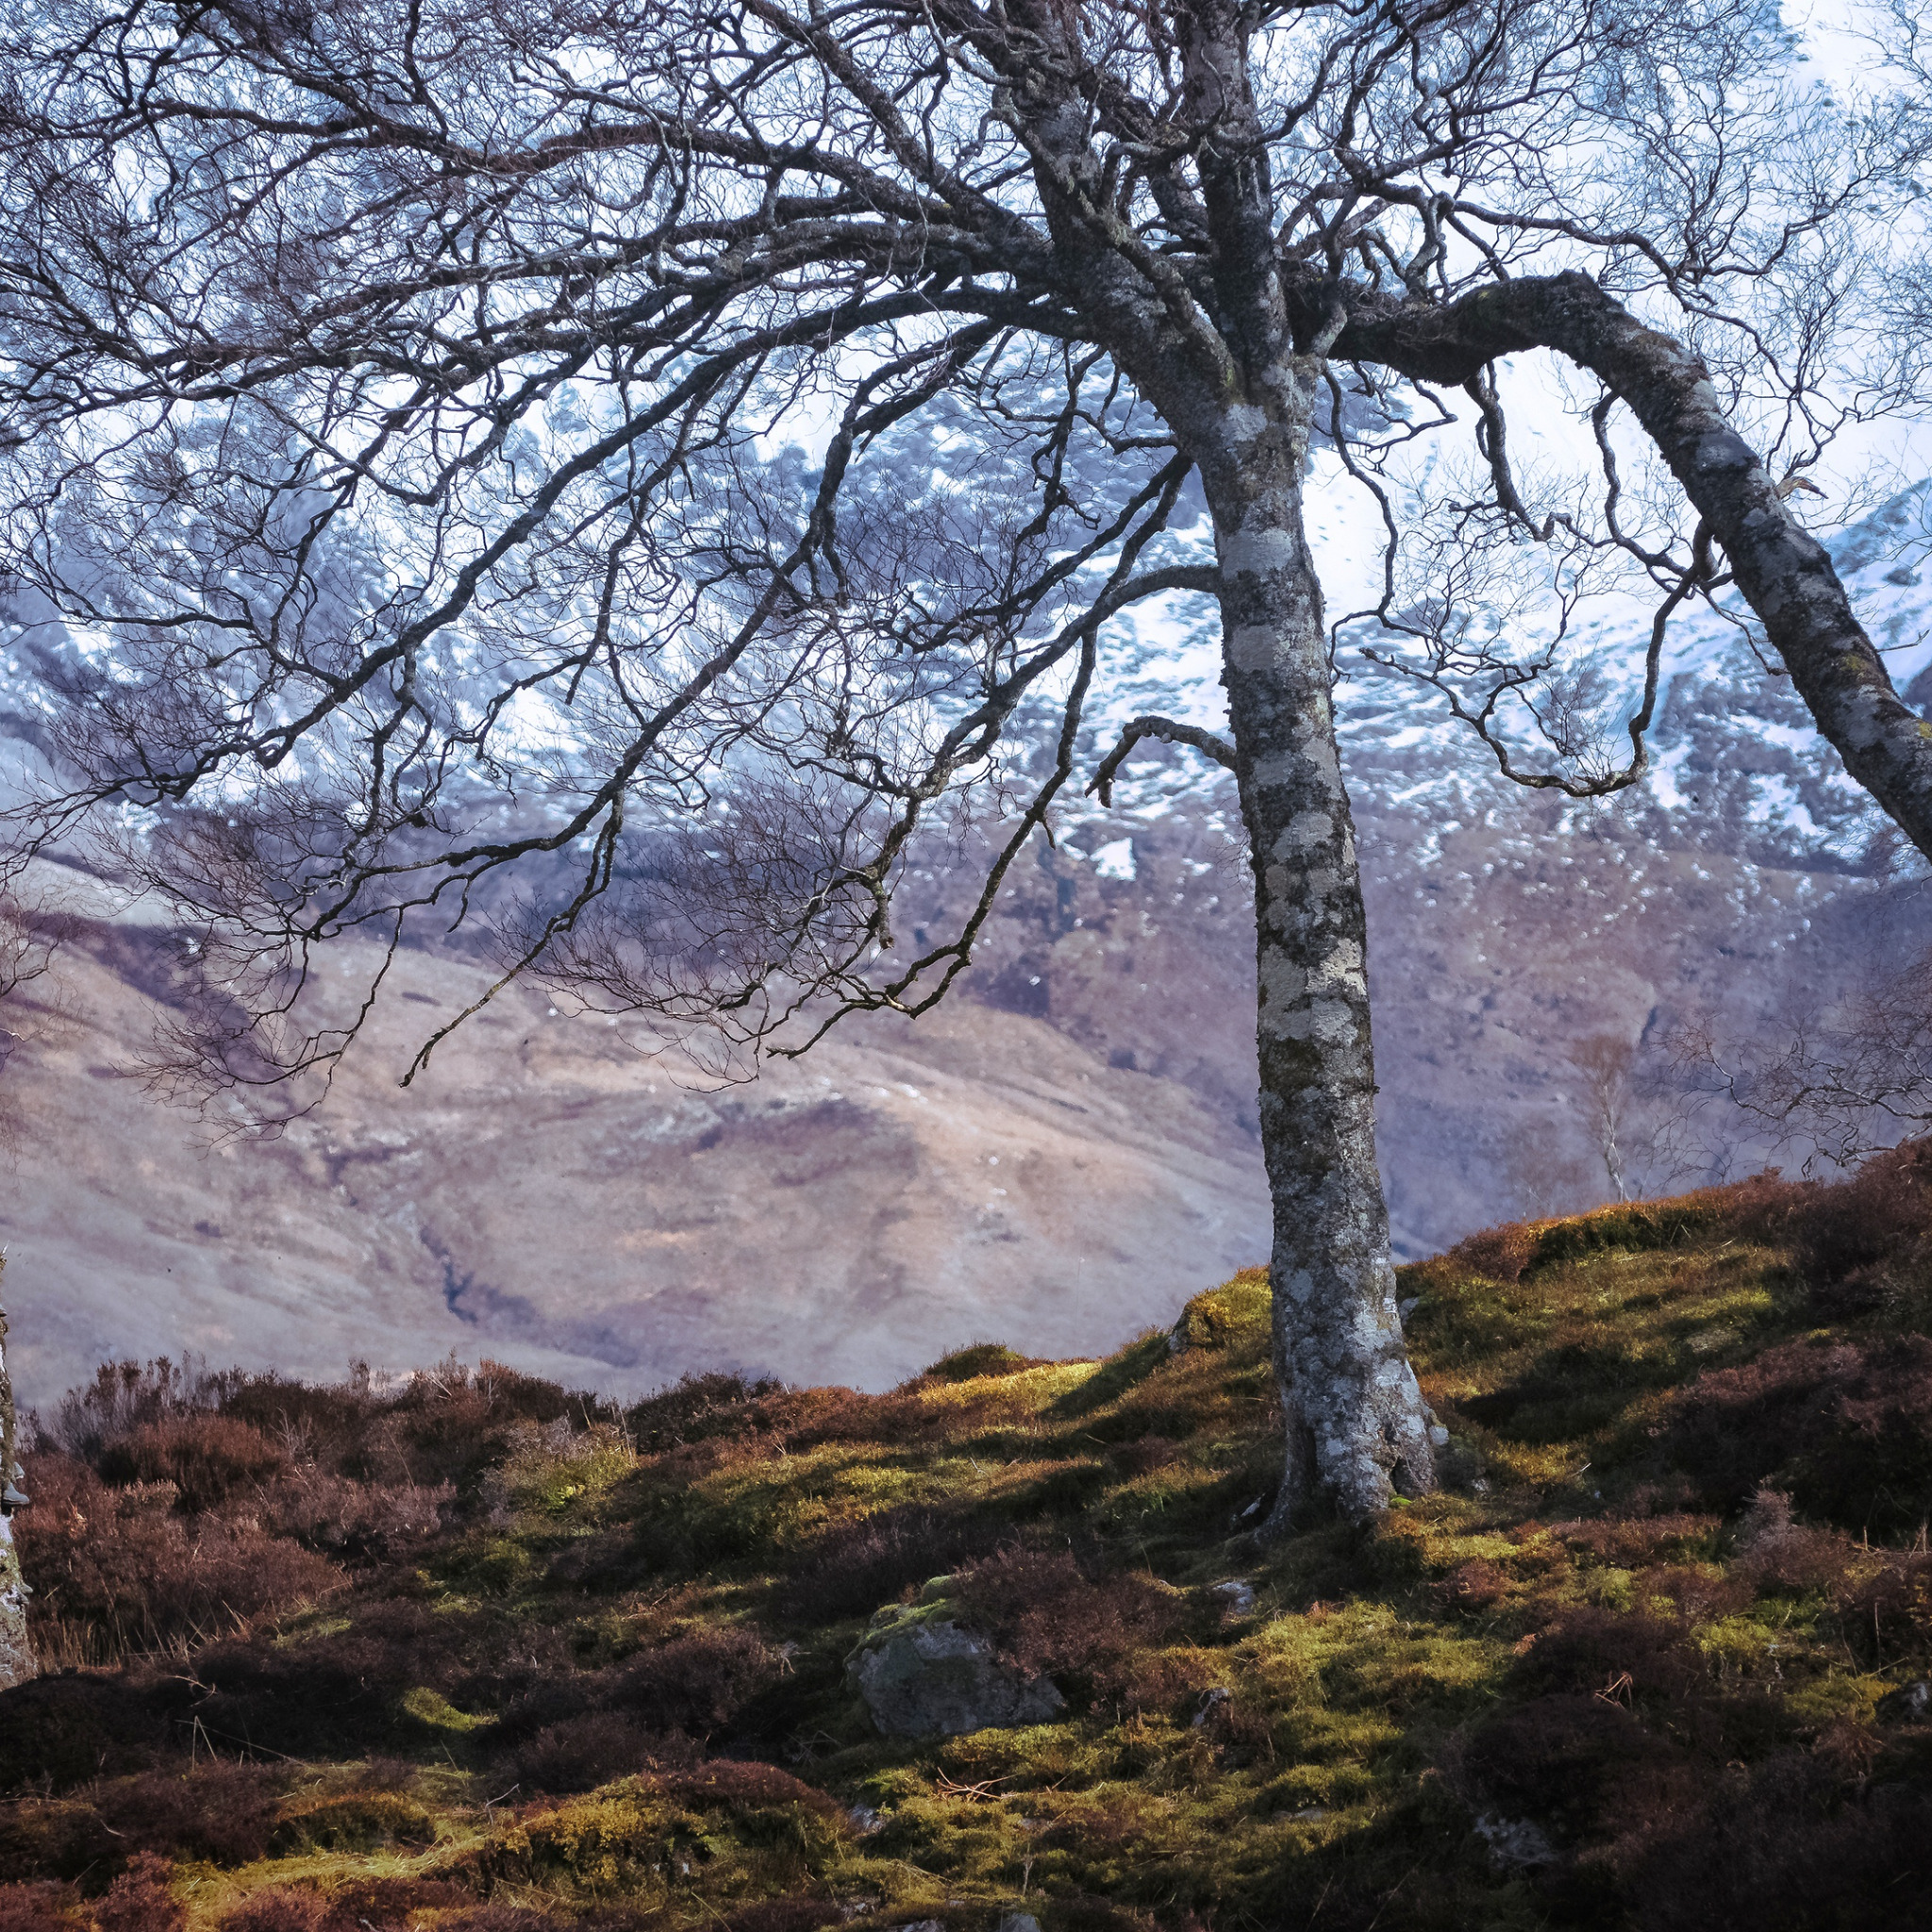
column 629, row 470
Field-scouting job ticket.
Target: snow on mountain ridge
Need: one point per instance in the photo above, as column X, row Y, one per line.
column 1725, row 728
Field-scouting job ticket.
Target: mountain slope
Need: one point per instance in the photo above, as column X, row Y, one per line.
column 551, row 1197
column 554, row 1199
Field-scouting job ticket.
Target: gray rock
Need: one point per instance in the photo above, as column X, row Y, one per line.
column 1019, row 1921
column 923, row 1674
column 1237, row 1597
column 1514, row 1841
column 1911, row 1704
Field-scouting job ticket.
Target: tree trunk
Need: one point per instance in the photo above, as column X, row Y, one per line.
column 1357, row 1424
column 17, row 1662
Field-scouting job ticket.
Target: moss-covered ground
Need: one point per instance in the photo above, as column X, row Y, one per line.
column 476, row 1654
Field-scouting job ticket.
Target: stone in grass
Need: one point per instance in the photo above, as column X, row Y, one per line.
column 1909, row 1704
column 923, row 1674
column 1514, row 1842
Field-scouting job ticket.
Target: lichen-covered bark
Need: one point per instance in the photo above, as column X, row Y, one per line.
column 1785, row 574
column 17, row 1662
column 1356, row 1422
column 1239, row 400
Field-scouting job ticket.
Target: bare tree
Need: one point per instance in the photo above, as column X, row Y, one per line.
column 664, row 454
column 1835, row 1079
column 30, row 939
column 1605, row 1065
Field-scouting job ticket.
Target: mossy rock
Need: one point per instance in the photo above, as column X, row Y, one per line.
column 1237, row 1310
column 923, row 1674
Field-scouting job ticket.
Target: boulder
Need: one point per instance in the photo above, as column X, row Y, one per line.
column 923, row 1674
column 1514, row 1842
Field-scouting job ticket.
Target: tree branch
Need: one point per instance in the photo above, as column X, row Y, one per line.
column 1204, row 741
column 1783, row 571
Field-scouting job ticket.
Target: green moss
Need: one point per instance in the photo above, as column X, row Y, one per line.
column 1632, row 1228
column 431, row 1707
column 361, row 1822
column 983, row 1359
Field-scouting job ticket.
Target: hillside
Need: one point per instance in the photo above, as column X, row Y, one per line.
column 467, row 1652
column 557, row 1201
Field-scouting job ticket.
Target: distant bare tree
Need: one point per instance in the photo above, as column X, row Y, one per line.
column 1837, row 1080
column 29, row 939
column 1540, row 1172
column 664, row 454
column 1605, row 1065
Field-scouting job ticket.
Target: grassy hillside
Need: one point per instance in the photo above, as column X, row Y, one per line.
column 472, row 1653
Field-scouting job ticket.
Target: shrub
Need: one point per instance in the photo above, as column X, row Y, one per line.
column 1630, row 1541
column 1582, row 1765
column 1699, row 1594
column 206, row 1457
column 123, row 1397
column 60, row 1732
column 357, row 1520
column 1885, row 1609
column 124, row 1562
column 693, row 1683
column 1590, row 1650
column 1778, row 1848
column 43, row 1906
column 584, row 1752
column 1472, row 1587
column 1778, row 1555
column 785, row 1915
column 1860, row 1243
column 391, row 1901
column 697, row 1680
column 1049, row 1618
column 281, row 1910
column 1497, row 1254
column 806, row 1418
column 732, row 1784
column 222, row 1813
column 852, row 1567
column 142, row 1899
column 695, row 1409
column 1846, row 1428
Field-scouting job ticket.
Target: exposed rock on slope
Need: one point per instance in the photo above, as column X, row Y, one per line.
column 923, row 1674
